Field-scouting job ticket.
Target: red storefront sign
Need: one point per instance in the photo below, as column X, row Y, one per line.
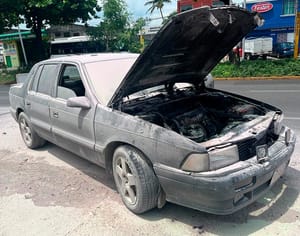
column 262, row 7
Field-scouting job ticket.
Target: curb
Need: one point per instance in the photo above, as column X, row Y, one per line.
column 7, row 82
column 291, row 77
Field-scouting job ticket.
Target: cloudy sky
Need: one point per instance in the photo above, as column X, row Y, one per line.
column 138, row 9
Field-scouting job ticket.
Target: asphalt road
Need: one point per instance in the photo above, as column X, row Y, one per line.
column 4, row 102
column 50, row 191
column 284, row 94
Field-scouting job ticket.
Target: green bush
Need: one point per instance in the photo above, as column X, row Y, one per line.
column 256, row 68
column 7, row 77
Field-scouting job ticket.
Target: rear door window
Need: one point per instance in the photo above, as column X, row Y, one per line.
column 36, row 78
column 47, row 79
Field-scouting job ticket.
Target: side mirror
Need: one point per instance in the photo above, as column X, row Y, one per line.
column 81, row 102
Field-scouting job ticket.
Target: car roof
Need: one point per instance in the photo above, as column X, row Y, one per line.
column 88, row 58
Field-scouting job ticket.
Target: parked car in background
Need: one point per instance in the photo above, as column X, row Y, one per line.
column 284, row 49
column 152, row 123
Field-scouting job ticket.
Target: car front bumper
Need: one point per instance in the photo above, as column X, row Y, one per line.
column 228, row 189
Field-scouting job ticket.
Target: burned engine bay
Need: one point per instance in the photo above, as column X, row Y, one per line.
column 197, row 115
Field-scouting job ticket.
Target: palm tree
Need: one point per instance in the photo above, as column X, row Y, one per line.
column 156, row 4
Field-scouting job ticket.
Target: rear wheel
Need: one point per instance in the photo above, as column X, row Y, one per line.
column 30, row 137
column 247, row 56
column 135, row 179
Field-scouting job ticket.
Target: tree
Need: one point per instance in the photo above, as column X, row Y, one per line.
column 115, row 23
column 134, row 44
column 39, row 13
column 117, row 30
column 157, row 4
column 9, row 13
column 113, row 29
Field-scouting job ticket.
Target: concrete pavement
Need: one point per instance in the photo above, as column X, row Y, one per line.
column 53, row 192
column 50, row 191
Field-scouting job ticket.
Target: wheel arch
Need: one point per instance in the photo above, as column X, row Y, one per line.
column 18, row 111
column 110, row 149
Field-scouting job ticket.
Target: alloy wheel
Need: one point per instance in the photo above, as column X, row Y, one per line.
column 125, row 180
column 26, row 131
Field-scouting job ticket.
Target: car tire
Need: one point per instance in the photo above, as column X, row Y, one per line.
column 30, row 137
column 135, row 179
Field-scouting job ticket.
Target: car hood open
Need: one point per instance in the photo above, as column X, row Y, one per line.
column 187, row 48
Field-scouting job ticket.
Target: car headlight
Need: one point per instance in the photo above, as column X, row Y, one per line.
column 278, row 123
column 196, row 162
column 219, row 158
column 215, row 159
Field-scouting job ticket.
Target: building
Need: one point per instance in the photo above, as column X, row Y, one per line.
column 66, row 31
column 184, row 5
column 1, row 54
column 71, row 39
column 279, row 16
column 10, row 49
column 11, row 55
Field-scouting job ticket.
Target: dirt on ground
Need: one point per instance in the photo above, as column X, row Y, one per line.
column 50, row 191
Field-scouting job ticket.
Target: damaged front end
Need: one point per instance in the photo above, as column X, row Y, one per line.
column 229, row 127
column 216, row 151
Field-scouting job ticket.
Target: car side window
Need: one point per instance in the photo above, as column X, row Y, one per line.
column 70, row 83
column 47, row 79
column 36, row 78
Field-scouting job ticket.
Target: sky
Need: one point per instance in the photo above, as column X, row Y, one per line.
column 138, row 9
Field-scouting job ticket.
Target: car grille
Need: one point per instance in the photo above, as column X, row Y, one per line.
column 247, row 148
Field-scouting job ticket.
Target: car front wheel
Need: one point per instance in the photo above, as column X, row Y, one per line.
column 135, row 179
column 30, row 137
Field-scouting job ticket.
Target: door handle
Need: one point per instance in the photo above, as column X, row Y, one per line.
column 55, row 114
column 28, row 103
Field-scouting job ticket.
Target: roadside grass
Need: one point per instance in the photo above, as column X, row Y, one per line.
column 255, row 68
column 8, row 77
column 258, row 68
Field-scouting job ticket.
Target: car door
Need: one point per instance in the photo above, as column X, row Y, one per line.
column 73, row 127
column 38, row 97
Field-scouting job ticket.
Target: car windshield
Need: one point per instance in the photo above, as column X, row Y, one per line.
column 287, row 45
column 106, row 76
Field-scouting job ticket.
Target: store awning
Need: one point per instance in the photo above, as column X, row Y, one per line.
column 15, row 36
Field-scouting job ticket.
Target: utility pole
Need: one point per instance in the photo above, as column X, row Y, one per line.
column 142, row 39
column 243, row 40
column 22, row 45
column 296, row 30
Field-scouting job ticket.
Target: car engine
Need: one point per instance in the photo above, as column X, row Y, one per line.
column 197, row 116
